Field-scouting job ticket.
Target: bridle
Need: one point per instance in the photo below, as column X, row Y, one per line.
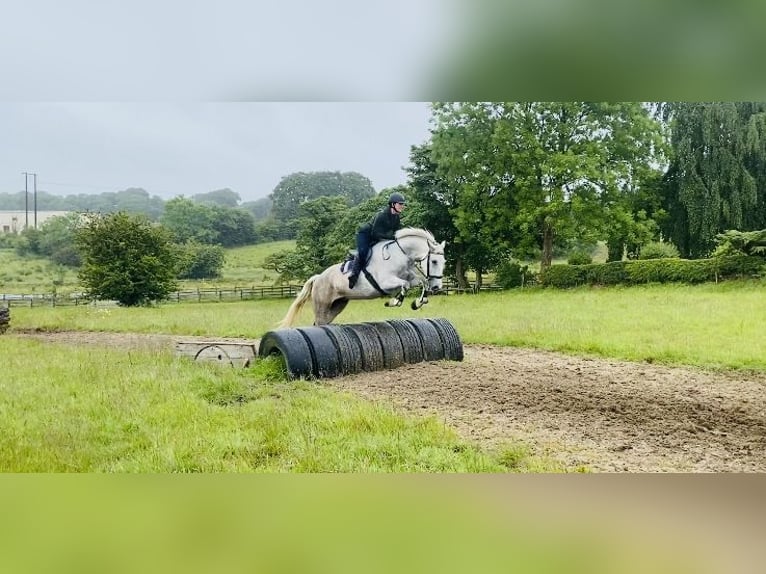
column 417, row 263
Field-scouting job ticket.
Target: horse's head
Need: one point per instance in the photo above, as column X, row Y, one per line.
column 434, row 265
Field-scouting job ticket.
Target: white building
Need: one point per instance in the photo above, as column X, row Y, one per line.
column 16, row 221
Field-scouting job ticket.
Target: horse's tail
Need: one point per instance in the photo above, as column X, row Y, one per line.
column 300, row 300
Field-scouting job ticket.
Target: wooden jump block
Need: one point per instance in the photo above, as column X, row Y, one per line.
column 223, row 352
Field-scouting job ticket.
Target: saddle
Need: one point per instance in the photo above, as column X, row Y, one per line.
column 346, row 266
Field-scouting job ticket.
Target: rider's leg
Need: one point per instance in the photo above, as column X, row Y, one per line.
column 362, row 251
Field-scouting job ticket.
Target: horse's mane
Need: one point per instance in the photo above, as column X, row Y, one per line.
column 418, row 232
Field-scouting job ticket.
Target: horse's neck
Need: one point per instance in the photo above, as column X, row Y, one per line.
column 414, row 246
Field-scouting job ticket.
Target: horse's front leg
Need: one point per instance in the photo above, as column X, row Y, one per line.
column 398, row 300
column 422, row 300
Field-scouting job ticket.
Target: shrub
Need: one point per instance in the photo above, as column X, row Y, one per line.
column 511, row 273
column 579, row 258
column 198, row 261
column 653, row 271
column 659, row 250
column 126, row 258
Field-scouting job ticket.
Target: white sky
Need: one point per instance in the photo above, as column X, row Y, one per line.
column 171, row 149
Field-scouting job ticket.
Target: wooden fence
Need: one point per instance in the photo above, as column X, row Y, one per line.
column 197, row 295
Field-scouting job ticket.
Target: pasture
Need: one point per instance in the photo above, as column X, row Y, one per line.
column 666, row 378
column 243, row 267
column 709, row 326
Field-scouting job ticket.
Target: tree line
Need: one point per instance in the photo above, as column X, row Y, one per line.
column 504, row 181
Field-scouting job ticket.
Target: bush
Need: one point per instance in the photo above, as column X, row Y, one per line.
column 126, row 258
column 198, row 261
column 512, row 274
column 579, row 258
column 659, row 250
column 653, row 271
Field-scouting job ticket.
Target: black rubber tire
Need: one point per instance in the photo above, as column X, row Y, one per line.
column 349, row 348
column 393, row 351
column 325, row 357
column 291, row 345
column 369, row 341
column 412, row 346
column 5, row 319
column 453, row 346
column 433, row 350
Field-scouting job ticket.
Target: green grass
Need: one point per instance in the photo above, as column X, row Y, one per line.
column 33, row 275
column 79, row 409
column 103, row 410
column 243, row 267
column 711, row 325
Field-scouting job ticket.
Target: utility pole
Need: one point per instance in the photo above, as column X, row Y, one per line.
column 26, row 199
column 35, row 186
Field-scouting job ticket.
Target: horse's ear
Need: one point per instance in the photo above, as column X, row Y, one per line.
column 444, row 244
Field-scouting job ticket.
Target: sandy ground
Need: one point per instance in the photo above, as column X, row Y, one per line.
column 600, row 415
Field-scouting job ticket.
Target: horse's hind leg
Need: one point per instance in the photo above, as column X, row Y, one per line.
column 326, row 315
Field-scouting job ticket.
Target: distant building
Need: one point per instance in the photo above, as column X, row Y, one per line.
column 16, row 221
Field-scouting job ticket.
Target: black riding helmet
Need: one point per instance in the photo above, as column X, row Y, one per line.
column 396, row 198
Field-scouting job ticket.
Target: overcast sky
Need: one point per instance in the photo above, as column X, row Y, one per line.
column 170, row 149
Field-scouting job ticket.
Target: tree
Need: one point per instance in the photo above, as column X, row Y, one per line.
column 220, row 197
column 297, row 188
column 188, row 220
column 434, row 199
column 531, row 174
column 260, row 208
column 717, row 175
column 54, row 239
column 126, row 258
column 198, row 261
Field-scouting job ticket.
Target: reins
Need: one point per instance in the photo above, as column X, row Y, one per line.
column 413, row 261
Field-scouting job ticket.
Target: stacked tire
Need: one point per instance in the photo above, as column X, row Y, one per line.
column 5, row 319
column 335, row 350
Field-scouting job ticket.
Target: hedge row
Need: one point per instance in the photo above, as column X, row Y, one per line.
column 653, row 271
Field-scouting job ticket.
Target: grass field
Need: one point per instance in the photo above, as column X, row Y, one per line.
column 711, row 325
column 65, row 408
column 243, row 268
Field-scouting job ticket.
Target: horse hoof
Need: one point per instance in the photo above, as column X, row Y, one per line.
column 414, row 306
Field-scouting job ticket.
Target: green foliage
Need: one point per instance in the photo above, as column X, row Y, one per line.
column 511, row 273
column 260, row 208
column 220, row 197
column 342, row 236
column 717, row 177
column 530, row 174
column 658, row 250
column 127, row 259
column 297, row 188
column 269, row 229
column 131, row 200
column 579, row 257
column 210, row 224
column 741, row 242
column 8, row 240
column 197, row 261
column 187, row 220
column 653, row 271
column 289, row 264
column 317, row 219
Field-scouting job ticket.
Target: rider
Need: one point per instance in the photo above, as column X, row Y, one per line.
column 383, row 226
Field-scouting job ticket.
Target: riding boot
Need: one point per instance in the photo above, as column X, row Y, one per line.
column 354, row 276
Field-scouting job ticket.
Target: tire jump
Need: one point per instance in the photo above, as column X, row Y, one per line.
column 335, row 350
